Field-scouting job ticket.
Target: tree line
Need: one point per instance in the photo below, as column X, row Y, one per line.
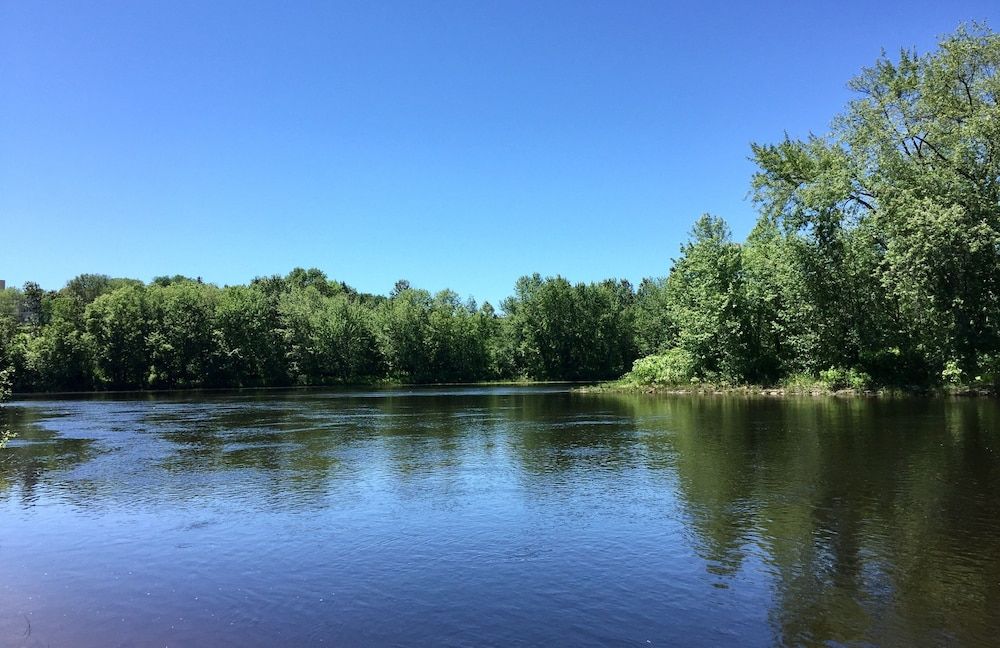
column 875, row 261
column 99, row 332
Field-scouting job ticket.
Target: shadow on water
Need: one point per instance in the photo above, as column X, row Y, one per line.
column 868, row 521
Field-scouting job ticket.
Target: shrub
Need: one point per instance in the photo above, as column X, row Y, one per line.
column 5, row 384
column 838, row 378
column 801, row 382
column 673, row 367
column 989, row 370
column 952, row 373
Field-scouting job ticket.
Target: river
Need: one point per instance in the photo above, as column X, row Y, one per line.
column 499, row 516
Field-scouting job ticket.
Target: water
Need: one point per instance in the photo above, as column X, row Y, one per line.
column 499, row 516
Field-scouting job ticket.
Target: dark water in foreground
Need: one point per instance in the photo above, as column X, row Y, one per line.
column 499, row 516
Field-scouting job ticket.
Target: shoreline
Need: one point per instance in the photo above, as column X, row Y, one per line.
column 276, row 388
column 577, row 387
column 786, row 392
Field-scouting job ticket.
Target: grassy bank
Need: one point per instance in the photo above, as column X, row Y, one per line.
column 677, row 371
column 797, row 388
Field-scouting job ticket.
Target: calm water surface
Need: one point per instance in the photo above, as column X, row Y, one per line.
column 499, row 516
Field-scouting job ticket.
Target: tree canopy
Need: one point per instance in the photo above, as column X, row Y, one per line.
column 305, row 329
column 878, row 246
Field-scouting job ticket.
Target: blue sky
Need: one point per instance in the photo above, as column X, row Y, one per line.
column 455, row 144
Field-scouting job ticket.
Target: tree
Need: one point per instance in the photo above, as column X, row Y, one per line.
column 314, row 277
column 654, row 331
column 117, row 326
column 403, row 329
column 706, row 302
column 906, row 189
column 251, row 351
column 7, row 365
column 561, row 331
column 328, row 339
column 58, row 356
column 182, row 344
column 33, row 305
column 88, row 287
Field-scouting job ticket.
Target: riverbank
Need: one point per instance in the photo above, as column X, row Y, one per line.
column 580, row 387
column 381, row 384
column 784, row 391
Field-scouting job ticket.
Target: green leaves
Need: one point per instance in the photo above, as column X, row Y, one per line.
column 674, row 367
column 564, row 331
column 706, row 301
column 117, row 326
column 892, row 219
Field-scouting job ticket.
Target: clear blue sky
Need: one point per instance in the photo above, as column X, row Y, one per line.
column 456, row 144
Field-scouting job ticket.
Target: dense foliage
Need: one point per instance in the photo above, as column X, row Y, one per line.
column 875, row 261
column 304, row 329
column 7, row 331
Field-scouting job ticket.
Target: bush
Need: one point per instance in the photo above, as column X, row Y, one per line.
column 989, row 370
column 801, row 382
column 673, row 367
column 5, row 384
column 839, row 378
column 952, row 373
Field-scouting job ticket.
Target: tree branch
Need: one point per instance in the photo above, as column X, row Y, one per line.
column 864, row 203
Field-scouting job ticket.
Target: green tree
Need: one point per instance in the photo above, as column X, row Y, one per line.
column 328, row 339
column 117, row 326
column 7, row 363
column 706, row 302
column 33, row 304
column 88, row 287
column 561, row 331
column 182, row 343
column 904, row 191
column 58, row 356
column 251, row 352
column 403, row 330
column 654, row 331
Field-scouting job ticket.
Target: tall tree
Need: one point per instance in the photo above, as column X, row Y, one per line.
column 117, row 328
column 907, row 185
column 705, row 301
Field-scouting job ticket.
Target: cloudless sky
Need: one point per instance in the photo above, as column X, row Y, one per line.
column 455, row 144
